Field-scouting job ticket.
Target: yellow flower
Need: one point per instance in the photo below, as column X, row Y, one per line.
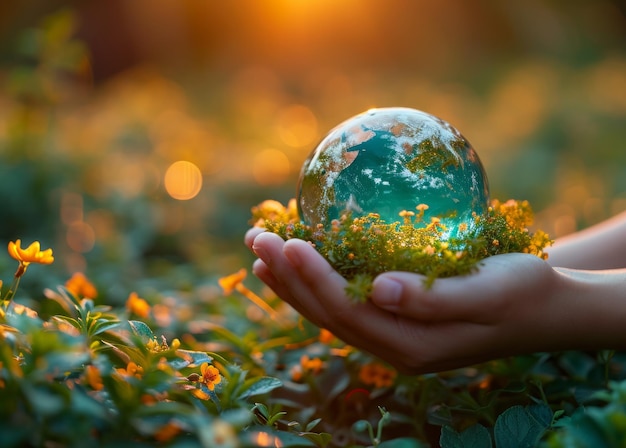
column 210, row 376
column 155, row 347
column 137, row 305
column 375, row 374
column 80, row 286
column 32, row 254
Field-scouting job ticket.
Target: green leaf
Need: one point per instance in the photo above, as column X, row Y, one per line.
column 260, row 385
column 577, row 364
column 188, row 358
column 70, row 320
column 321, row 439
column 23, row 322
column 212, row 394
column 237, row 417
column 517, row 427
column 46, row 400
column 262, row 410
column 542, row 413
column 312, row 424
column 141, row 329
column 476, row 436
column 67, row 300
column 403, row 442
column 103, row 325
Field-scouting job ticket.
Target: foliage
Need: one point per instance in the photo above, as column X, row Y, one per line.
column 90, row 373
column 125, row 352
column 361, row 248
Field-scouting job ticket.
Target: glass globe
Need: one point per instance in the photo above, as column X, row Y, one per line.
column 394, row 160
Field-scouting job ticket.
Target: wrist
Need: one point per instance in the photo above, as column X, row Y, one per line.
column 591, row 309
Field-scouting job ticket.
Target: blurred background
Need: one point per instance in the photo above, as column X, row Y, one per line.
column 136, row 135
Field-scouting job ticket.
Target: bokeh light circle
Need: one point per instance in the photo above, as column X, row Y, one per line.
column 183, row 180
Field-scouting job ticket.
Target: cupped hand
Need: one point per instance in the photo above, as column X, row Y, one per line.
column 508, row 306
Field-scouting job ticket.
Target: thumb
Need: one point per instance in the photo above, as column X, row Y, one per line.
column 474, row 297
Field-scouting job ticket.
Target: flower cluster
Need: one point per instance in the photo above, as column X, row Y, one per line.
column 377, row 375
column 307, row 366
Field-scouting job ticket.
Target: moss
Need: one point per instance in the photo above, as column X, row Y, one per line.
column 363, row 247
column 430, row 154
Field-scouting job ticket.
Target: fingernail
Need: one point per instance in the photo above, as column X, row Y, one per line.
column 386, row 292
column 261, row 253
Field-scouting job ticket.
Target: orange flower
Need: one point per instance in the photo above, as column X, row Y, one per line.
column 429, row 250
column 210, row 376
column 132, row 369
column 235, row 282
column 92, row 375
column 230, row 282
column 375, row 374
column 80, row 286
column 313, row 365
column 167, row 432
column 307, row 365
column 326, row 336
column 137, row 305
column 32, row 254
column 21, row 309
column 274, row 211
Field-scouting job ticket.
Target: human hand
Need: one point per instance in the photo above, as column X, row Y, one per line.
column 514, row 304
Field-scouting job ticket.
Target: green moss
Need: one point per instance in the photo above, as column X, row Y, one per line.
column 363, row 247
column 430, row 154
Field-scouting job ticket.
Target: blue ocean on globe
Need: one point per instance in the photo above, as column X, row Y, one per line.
column 391, row 160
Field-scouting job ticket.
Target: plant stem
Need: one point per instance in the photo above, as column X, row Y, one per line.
column 13, row 288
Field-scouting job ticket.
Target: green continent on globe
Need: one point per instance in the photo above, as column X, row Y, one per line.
column 391, row 160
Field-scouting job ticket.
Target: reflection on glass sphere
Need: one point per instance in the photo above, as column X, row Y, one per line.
column 391, row 160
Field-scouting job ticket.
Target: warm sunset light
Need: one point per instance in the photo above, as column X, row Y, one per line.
column 226, row 203
column 80, row 237
column 297, row 125
column 270, row 167
column 183, row 180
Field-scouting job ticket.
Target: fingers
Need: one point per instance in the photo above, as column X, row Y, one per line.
column 304, row 279
column 322, row 298
column 480, row 297
column 251, row 234
column 282, row 277
column 458, row 321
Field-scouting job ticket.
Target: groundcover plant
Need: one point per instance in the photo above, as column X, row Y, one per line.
column 95, row 374
column 117, row 330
